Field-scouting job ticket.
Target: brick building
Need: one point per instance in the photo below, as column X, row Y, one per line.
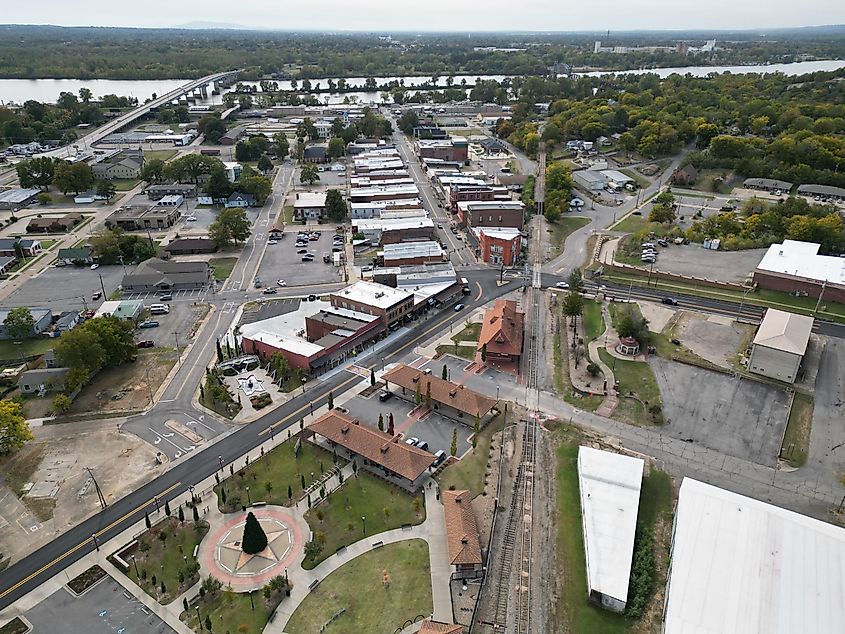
column 499, row 246
column 797, row 267
column 452, row 149
column 390, row 304
column 496, row 213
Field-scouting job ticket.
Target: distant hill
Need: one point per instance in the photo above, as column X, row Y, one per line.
column 205, row 26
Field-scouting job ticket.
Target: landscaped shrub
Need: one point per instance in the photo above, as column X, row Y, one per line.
column 642, row 574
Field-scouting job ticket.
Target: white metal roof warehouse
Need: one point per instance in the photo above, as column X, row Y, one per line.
column 744, row 566
column 610, row 500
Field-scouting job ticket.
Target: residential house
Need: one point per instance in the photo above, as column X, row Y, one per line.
column 6, row 263
column 380, row 453
column 464, row 545
column 125, row 309
column 309, row 206
column 43, row 317
column 190, row 246
column 501, row 333
column 685, row 176
column 27, row 247
column 54, row 224
column 42, row 379
column 155, row 275
column 72, row 255
column 239, row 200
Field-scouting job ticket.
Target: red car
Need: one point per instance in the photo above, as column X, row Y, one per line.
column 146, row 343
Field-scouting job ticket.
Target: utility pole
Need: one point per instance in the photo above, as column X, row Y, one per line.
column 149, row 385
column 818, row 303
column 178, row 354
column 103, row 504
column 102, row 286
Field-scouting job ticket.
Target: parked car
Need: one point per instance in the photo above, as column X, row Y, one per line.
column 190, row 219
column 422, row 444
column 165, row 297
column 95, row 266
column 307, row 258
column 312, row 298
column 562, row 285
column 669, row 301
column 271, row 242
column 412, row 441
column 146, row 343
column 439, row 457
column 270, row 290
column 96, row 295
column 459, row 308
column 281, row 283
column 384, row 395
column 150, row 323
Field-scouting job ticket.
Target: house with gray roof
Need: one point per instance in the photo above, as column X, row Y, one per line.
column 43, row 318
column 28, row 246
column 46, row 379
column 156, row 275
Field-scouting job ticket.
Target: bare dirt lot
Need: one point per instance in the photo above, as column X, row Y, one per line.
column 55, row 463
column 713, row 337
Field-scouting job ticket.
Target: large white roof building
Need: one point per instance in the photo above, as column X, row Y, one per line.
column 610, row 500
column 802, row 260
column 743, row 566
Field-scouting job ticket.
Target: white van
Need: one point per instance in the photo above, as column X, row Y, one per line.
column 159, row 309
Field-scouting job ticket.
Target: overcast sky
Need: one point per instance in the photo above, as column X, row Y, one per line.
column 433, row 15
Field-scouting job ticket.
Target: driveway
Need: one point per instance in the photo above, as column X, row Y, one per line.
column 174, row 327
column 734, row 416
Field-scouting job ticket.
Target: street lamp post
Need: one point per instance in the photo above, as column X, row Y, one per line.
column 158, row 510
column 96, row 543
column 364, row 524
column 137, row 574
column 304, row 381
column 248, row 499
column 220, row 460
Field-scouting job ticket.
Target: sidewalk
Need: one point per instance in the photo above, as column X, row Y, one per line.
column 432, row 530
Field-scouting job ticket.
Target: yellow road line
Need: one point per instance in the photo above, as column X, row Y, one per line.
column 82, row 543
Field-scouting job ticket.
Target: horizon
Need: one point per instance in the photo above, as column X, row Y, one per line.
column 442, row 16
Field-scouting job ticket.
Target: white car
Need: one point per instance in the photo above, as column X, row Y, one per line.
column 271, row 242
column 281, row 283
column 562, row 285
column 190, row 219
column 95, row 266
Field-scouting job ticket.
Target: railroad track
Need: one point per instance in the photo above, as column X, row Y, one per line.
column 523, row 594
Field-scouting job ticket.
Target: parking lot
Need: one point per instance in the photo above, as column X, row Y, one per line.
column 177, row 324
column 738, row 417
column 281, row 261
column 66, row 288
column 696, row 261
column 105, row 608
column 435, row 429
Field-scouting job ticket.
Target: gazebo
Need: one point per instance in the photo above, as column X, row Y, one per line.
column 628, row 346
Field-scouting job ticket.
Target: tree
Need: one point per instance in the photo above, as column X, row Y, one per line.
column 75, row 177
column 115, row 337
column 196, row 513
column 167, row 508
column 218, row 187
column 264, row 164
column 309, row 174
column 36, row 172
column 444, row 374
column 14, row 431
column 147, row 522
column 231, row 226
column 212, row 127
column 576, row 281
column 85, row 95
column 290, row 493
column 476, row 430
column 259, row 186
column 181, row 514
column 190, row 167
column 453, row 449
column 19, row 323
column 381, row 422
column 335, row 206
column 44, row 198
column 281, row 145
column 408, row 121
column 331, row 400
column 254, row 539
column 372, row 377
column 631, row 324
column 390, row 428
column 573, row 305
column 80, row 349
column 208, row 622
column 106, row 189
column 153, row 171
column 61, row 404
column 662, row 213
column 336, row 148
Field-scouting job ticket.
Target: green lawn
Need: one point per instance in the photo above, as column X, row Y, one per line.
column 632, row 224
column 560, row 230
column 22, row 265
column 222, row 267
column 593, row 322
column 574, row 612
column 368, row 603
column 464, row 352
column 232, row 612
column 636, row 379
column 125, row 184
column 385, row 506
column 165, row 559
column 164, row 155
column 279, row 468
column 12, row 351
column 796, row 439
column 641, row 180
column 287, row 213
column 468, row 472
column 471, row 333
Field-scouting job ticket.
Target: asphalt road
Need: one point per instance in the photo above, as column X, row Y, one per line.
column 68, row 548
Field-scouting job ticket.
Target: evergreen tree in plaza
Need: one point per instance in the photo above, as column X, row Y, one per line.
column 254, row 540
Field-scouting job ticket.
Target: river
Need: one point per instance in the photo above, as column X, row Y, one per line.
column 47, row 90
